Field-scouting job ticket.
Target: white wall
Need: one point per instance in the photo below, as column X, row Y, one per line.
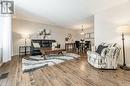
column 21, row 27
column 106, row 24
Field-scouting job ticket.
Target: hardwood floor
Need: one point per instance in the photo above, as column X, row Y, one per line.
column 70, row 73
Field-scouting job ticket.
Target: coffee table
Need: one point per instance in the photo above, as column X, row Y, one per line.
column 47, row 51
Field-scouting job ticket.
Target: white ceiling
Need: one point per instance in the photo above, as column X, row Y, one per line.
column 65, row 13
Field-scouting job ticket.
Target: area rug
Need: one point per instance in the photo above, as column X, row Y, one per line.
column 35, row 62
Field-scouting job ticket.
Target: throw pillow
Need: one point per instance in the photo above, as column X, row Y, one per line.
column 104, row 52
column 54, row 45
column 36, row 45
column 100, row 48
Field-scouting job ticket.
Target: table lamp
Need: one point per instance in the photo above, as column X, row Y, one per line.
column 124, row 29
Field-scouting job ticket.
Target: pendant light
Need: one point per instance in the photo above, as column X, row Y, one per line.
column 82, row 31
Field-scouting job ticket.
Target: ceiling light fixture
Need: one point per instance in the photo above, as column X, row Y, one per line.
column 82, row 31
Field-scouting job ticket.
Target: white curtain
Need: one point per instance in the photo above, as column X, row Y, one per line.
column 0, row 38
column 5, row 42
column 0, row 43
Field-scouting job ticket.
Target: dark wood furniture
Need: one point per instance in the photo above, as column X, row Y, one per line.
column 42, row 43
column 78, row 46
column 70, row 47
column 87, row 45
column 24, row 50
column 47, row 51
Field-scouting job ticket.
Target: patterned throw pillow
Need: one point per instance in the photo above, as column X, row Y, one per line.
column 36, row 45
column 100, row 48
column 104, row 52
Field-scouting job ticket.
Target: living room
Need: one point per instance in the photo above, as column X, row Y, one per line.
column 65, row 43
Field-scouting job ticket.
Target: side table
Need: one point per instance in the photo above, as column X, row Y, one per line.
column 24, row 50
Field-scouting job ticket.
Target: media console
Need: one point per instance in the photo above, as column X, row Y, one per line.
column 42, row 43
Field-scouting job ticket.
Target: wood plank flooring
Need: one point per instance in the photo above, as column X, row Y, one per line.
column 70, row 73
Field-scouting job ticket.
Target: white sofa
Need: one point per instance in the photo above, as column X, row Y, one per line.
column 107, row 59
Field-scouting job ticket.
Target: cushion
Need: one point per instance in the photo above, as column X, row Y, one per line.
column 104, row 52
column 36, row 45
column 54, row 45
column 100, row 48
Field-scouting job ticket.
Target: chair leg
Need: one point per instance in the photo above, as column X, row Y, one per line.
column 78, row 50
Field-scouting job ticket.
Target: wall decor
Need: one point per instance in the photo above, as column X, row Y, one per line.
column 89, row 35
column 92, row 35
column 45, row 33
column 68, row 37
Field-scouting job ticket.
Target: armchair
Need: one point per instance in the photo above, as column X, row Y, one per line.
column 107, row 59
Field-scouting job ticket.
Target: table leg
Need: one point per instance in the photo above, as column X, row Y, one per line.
column 44, row 56
column 60, row 53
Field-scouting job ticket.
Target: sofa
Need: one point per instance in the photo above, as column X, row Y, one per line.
column 107, row 59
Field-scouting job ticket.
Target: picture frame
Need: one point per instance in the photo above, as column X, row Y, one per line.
column 89, row 35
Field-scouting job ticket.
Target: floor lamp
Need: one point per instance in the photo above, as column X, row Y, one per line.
column 125, row 29
column 25, row 37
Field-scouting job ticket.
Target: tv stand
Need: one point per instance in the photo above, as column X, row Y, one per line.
column 43, row 44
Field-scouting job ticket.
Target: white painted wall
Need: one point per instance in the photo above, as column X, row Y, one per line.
column 21, row 27
column 106, row 24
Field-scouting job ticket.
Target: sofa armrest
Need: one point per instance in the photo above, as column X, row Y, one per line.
column 113, row 52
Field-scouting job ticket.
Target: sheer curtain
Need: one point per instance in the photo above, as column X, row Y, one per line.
column 5, row 37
